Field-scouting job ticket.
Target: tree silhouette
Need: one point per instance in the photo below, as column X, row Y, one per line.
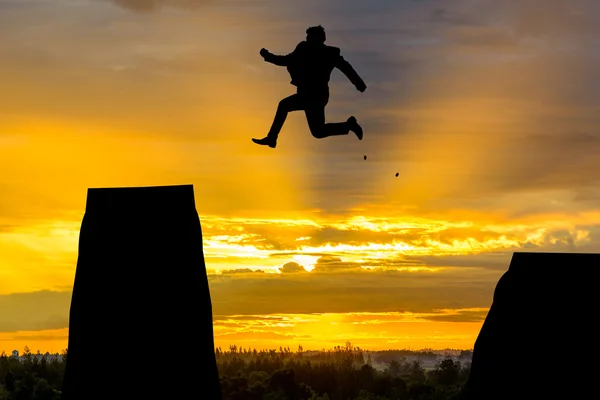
column 341, row 373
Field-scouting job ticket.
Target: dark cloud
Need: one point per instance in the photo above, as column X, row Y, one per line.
column 334, row 264
column 241, row 271
column 460, row 316
column 38, row 337
column 35, row 311
column 292, row 267
column 246, row 318
column 353, row 292
column 248, row 294
column 152, row 5
column 392, row 263
column 491, row 260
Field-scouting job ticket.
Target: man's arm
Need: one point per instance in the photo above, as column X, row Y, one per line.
column 350, row 73
column 282, row 61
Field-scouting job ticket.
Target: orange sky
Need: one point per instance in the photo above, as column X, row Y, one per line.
column 487, row 111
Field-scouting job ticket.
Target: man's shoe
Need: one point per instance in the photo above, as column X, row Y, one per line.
column 266, row 141
column 355, row 127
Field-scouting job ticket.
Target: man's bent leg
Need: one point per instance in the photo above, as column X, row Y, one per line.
column 319, row 129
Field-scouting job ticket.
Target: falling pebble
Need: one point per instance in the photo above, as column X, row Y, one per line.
column 365, row 157
column 397, row 174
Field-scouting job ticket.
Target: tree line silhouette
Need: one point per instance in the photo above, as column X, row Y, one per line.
column 342, row 373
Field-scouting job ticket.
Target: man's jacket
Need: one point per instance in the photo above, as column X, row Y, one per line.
column 310, row 65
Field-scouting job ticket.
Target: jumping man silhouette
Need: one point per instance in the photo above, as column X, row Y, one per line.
column 310, row 66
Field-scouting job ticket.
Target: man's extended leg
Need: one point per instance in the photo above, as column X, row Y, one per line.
column 291, row 103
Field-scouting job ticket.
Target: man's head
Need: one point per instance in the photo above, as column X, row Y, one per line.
column 315, row 34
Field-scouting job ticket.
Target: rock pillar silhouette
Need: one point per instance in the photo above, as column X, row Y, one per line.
column 537, row 339
column 140, row 322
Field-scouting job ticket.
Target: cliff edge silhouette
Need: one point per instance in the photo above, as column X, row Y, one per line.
column 141, row 294
column 538, row 339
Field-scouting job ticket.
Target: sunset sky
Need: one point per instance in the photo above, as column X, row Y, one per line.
column 488, row 110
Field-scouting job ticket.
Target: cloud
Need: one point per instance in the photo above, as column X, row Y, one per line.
column 36, row 311
column 328, row 260
column 146, row 6
column 487, row 109
column 262, row 334
column 352, row 291
column 36, row 338
column 557, row 18
column 453, row 17
column 247, row 318
column 459, row 316
column 152, row 5
column 292, row 267
column 389, row 242
column 333, row 264
column 241, row 271
column 248, row 293
column 492, row 260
